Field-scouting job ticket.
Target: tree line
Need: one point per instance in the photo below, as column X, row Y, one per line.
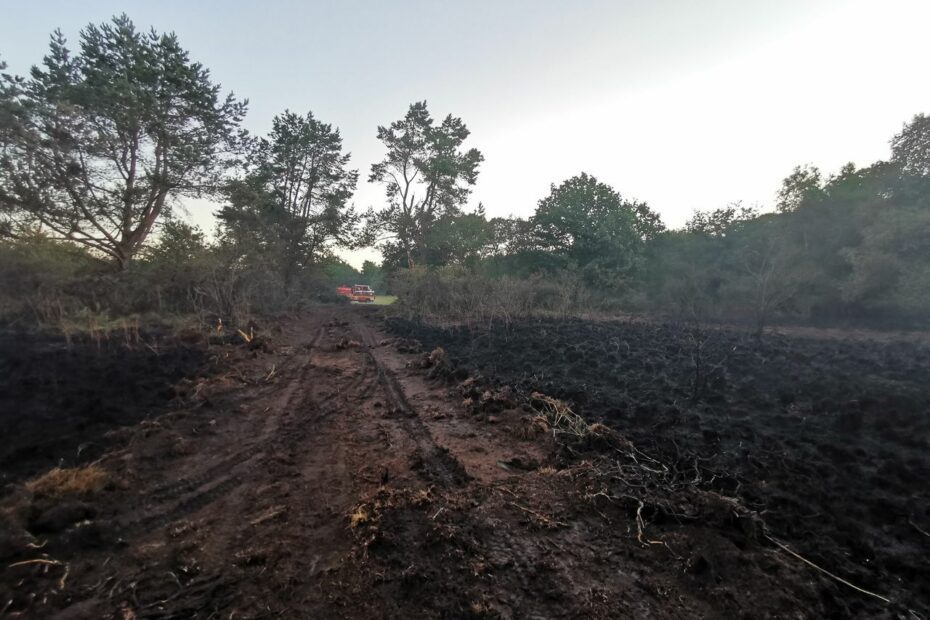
column 99, row 146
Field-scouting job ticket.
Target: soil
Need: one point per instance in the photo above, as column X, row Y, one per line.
column 825, row 439
column 338, row 467
column 59, row 399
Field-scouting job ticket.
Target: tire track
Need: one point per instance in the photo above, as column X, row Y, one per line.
column 224, row 476
column 437, row 464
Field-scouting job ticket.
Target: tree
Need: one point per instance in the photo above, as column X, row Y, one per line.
column 459, row 239
column 649, row 223
column 589, row 223
column 762, row 277
column 340, row 272
column 178, row 243
column 911, row 147
column 804, row 184
column 373, row 276
column 298, row 192
column 427, row 175
column 94, row 146
column 720, row 222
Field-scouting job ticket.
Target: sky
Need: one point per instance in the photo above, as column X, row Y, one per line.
column 685, row 105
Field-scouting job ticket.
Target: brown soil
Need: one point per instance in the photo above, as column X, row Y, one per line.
column 328, row 470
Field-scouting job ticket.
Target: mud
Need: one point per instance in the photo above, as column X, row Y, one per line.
column 334, row 470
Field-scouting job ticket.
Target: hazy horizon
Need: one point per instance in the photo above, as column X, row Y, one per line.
column 684, row 106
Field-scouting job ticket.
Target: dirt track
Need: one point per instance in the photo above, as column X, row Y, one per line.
column 326, row 474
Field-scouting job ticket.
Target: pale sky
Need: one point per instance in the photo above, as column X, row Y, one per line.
column 684, row 104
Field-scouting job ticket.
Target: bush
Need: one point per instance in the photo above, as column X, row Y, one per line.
column 40, row 280
column 456, row 294
column 58, row 285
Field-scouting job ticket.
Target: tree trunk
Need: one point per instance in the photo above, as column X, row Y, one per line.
column 123, row 256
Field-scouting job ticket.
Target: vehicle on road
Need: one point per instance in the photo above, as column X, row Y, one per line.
column 361, row 293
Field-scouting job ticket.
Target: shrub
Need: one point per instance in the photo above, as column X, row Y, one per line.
column 456, row 294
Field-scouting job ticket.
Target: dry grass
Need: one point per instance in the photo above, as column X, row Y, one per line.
column 367, row 514
column 532, row 427
column 560, row 418
column 436, row 357
column 59, row 482
column 359, row 516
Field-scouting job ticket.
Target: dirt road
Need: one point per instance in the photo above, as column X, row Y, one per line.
column 325, row 474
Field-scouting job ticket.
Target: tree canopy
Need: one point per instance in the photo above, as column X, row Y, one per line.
column 95, row 144
column 427, row 175
column 911, row 147
column 590, row 224
column 296, row 195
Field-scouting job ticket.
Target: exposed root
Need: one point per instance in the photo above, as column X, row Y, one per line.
column 46, row 562
column 641, row 527
column 35, row 561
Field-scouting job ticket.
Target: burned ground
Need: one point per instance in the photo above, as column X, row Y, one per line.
column 330, row 469
column 825, row 439
column 61, row 400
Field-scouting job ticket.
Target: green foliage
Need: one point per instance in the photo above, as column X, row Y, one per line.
column 373, row 275
column 720, row 222
column 427, row 177
column 341, row 273
column 591, row 226
column 459, row 294
column 40, row 278
column 292, row 208
column 803, row 185
column 95, row 144
column 910, row 149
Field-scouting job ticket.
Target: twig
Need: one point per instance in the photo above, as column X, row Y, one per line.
column 35, row 561
column 271, row 513
column 918, row 528
column 46, row 562
column 539, row 516
column 825, row 571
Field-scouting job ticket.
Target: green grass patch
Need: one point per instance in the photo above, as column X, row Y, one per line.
column 385, row 300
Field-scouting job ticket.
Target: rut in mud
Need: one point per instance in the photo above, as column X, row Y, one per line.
column 331, row 470
column 236, row 495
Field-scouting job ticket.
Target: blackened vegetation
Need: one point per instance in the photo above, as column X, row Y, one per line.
column 825, row 440
column 59, row 401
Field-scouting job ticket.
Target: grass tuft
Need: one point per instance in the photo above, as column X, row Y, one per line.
column 59, row 482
